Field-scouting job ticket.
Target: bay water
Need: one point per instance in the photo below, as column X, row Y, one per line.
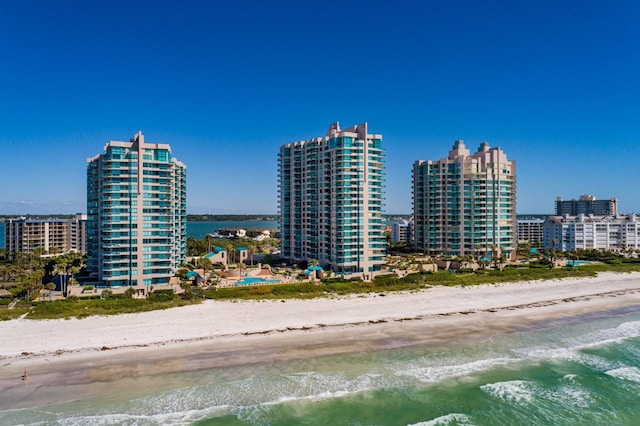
column 199, row 229
column 579, row 371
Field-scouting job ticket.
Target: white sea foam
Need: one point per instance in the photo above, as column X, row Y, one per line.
column 433, row 374
column 569, row 348
column 631, row 374
column 518, row 392
column 448, row 419
column 174, row 418
column 626, row 330
column 570, row 394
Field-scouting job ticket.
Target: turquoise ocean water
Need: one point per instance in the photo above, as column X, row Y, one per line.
column 582, row 371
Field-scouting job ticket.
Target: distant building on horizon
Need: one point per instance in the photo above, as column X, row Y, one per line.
column 24, row 235
column 137, row 216
column 331, row 193
column 586, row 204
column 465, row 204
column 401, row 231
column 585, row 232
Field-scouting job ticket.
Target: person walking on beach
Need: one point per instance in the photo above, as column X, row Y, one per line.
column 25, row 376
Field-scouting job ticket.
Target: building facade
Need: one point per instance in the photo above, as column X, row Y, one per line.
column 401, row 231
column 136, row 211
column 530, row 230
column 587, row 204
column 465, row 204
column 23, row 235
column 582, row 232
column 331, row 193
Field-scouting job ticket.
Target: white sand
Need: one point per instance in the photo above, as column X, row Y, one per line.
column 215, row 320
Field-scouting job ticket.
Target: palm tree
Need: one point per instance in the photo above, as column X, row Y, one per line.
column 32, row 282
column 50, row 286
column 36, row 257
column 205, row 264
column 477, row 249
column 62, row 263
column 251, row 247
column 5, row 270
column 231, row 249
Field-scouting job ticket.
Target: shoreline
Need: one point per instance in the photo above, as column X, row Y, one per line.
column 98, row 353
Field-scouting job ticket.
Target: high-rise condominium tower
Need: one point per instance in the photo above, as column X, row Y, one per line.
column 587, row 204
column 331, row 197
column 136, row 214
column 466, row 204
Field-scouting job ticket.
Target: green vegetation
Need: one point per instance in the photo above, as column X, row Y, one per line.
column 29, row 279
column 208, row 244
column 417, row 281
column 9, row 314
column 80, row 308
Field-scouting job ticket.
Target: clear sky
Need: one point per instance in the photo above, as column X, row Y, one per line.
column 555, row 84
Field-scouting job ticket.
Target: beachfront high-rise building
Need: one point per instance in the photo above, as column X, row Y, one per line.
column 587, row 204
column 331, row 193
column 465, row 204
column 136, row 211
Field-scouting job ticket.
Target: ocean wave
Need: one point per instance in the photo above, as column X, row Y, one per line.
column 447, row 420
column 517, row 392
column 631, row 374
column 569, row 348
column 432, row 374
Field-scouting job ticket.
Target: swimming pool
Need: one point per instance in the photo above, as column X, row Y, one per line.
column 254, row 281
column 577, row 263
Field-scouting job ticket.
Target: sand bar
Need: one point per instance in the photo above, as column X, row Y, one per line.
column 220, row 333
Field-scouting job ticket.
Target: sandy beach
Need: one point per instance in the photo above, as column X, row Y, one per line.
column 80, row 353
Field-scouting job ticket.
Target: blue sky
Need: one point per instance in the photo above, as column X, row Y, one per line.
column 555, row 84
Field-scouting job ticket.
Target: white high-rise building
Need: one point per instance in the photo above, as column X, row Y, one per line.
column 401, row 231
column 331, row 193
column 567, row 233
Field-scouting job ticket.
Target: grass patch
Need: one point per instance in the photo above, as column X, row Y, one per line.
column 80, row 308
column 74, row 307
column 415, row 282
column 9, row 314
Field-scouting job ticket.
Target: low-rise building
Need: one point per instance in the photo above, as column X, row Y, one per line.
column 24, row 235
column 567, row 233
